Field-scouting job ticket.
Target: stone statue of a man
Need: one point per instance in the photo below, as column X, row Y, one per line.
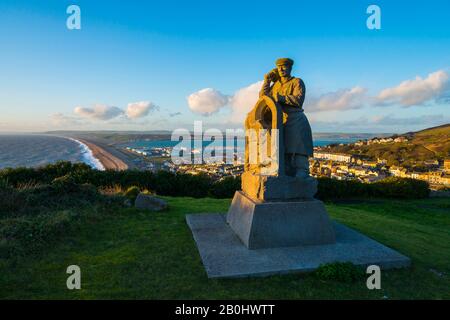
column 289, row 93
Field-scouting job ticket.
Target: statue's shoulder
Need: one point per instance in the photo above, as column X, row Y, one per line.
column 298, row 81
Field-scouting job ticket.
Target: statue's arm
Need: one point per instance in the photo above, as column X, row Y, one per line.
column 266, row 88
column 297, row 97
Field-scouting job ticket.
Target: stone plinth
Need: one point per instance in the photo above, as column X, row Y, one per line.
column 224, row 255
column 278, row 188
column 279, row 224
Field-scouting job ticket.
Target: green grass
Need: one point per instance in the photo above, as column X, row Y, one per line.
column 131, row 254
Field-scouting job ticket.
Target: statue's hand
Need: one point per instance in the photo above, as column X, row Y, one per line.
column 272, row 75
column 268, row 77
column 279, row 98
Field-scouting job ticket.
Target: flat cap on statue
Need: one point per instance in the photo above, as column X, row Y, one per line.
column 284, row 61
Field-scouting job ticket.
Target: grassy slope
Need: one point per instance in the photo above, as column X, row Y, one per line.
column 134, row 254
column 428, row 144
column 435, row 139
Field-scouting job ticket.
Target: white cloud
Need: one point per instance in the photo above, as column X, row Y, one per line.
column 416, row 91
column 411, row 92
column 99, row 112
column 207, row 101
column 61, row 120
column 133, row 111
column 243, row 101
column 344, row 99
column 140, row 109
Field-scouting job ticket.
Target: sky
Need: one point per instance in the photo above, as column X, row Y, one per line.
column 161, row 65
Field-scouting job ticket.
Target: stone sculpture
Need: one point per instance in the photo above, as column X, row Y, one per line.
column 276, row 206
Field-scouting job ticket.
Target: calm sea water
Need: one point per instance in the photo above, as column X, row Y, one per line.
column 38, row 150
column 142, row 144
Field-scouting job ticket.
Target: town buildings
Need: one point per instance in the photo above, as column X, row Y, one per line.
column 324, row 163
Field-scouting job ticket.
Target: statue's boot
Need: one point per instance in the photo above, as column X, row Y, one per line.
column 301, row 165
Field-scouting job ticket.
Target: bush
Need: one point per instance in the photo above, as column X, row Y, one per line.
column 339, row 271
column 10, row 199
column 406, row 188
column 226, row 187
column 65, row 183
column 42, row 198
column 4, row 184
column 57, row 196
column 31, row 218
column 132, row 193
column 25, row 235
column 197, row 186
column 43, row 175
column 63, row 176
column 338, row 189
column 392, row 187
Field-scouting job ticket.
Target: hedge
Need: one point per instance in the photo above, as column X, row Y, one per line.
column 198, row 186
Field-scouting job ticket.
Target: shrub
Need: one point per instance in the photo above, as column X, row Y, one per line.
column 59, row 195
column 32, row 218
column 395, row 187
column 338, row 189
column 41, row 198
column 226, row 187
column 197, row 186
column 4, row 184
column 65, row 183
column 64, row 175
column 10, row 199
column 132, row 193
column 392, row 187
column 43, row 175
column 31, row 234
column 339, row 271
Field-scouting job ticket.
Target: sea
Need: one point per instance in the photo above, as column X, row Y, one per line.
column 37, row 150
column 239, row 144
column 34, row 150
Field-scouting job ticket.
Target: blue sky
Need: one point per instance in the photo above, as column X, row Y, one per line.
column 145, row 66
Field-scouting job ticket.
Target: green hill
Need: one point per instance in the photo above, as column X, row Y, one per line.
column 425, row 145
column 435, row 139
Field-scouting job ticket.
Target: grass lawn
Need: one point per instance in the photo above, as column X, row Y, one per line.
column 131, row 254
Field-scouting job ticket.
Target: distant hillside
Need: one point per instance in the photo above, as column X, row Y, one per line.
column 118, row 137
column 343, row 135
column 115, row 137
column 424, row 145
column 435, row 139
column 104, row 132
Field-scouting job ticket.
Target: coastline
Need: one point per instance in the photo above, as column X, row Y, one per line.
column 89, row 157
column 103, row 158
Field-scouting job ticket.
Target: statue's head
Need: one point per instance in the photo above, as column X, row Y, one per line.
column 284, row 66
